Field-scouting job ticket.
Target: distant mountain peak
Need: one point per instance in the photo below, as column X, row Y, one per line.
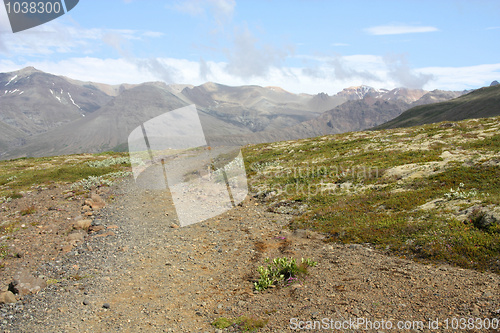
column 361, row 88
column 28, row 71
column 277, row 89
column 210, row 86
column 322, row 95
column 359, row 92
column 494, row 83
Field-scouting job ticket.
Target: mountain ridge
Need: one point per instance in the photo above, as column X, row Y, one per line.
column 480, row 103
column 44, row 114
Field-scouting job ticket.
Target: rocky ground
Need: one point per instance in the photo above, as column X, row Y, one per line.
column 118, row 262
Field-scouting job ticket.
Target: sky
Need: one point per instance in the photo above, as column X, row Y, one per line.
column 304, row 46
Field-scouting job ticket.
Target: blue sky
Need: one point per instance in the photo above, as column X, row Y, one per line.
column 302, row 46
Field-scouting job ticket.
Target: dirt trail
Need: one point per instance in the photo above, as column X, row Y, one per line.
column 149, row 276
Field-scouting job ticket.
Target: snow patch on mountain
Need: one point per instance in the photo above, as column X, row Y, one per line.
column 72, row 101
column 15, row 76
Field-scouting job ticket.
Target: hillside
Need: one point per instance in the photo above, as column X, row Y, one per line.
column 34, row 102
column 374, row 107
column 391, row 222
column 480, row 103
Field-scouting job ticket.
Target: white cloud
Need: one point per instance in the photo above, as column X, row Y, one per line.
column 399, row 70
column 57, row 37
column 247, row 59
column 4, row 21
column 221, row 10
column 191, row 7
column 398, row 29
column 204, row 69
column 110, row 71
column 158, row 68
column 153, row 34
column 461, row 78
column 343, row 71
column 118, row 43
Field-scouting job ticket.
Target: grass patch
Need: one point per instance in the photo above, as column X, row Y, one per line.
column 8, row 227
column 52, row 281
column 4, row 251
column 22, row 174
column 491, row 143
column 243, row 323
column 77, row 277
column 28, row 210
column 281, row 271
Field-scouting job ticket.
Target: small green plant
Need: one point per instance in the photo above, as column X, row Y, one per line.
column 4, row 251
column 15, row 195
column 222, row 323
column 52, row 281
column 460, row 193
column 281, row 270
column 309, row 262
column 98, row 181
column 28, row 210
column 243, row 323
column 11, row 178
column 5, row 199
column 78, row 277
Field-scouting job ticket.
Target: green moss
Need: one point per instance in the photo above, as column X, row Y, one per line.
column 222, row 323
column 243, row 323
column 491, row 143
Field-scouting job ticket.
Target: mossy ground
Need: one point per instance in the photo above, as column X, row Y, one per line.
column 243, row 323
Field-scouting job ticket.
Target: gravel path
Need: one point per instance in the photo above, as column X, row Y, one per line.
column 142, row 273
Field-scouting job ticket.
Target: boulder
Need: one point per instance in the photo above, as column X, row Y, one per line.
column 97, row 201
column 483, row 217
column 77, row 236
column 7, row 297
column 82, row 224
column 25, row 283
column 488, row 219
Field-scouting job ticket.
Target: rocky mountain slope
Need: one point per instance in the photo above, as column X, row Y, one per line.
column 361, row 114
column 480, row 103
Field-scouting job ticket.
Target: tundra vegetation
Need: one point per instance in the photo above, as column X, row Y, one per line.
column 430, row 193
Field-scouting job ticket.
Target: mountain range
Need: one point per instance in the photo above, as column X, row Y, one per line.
column 43, row 114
